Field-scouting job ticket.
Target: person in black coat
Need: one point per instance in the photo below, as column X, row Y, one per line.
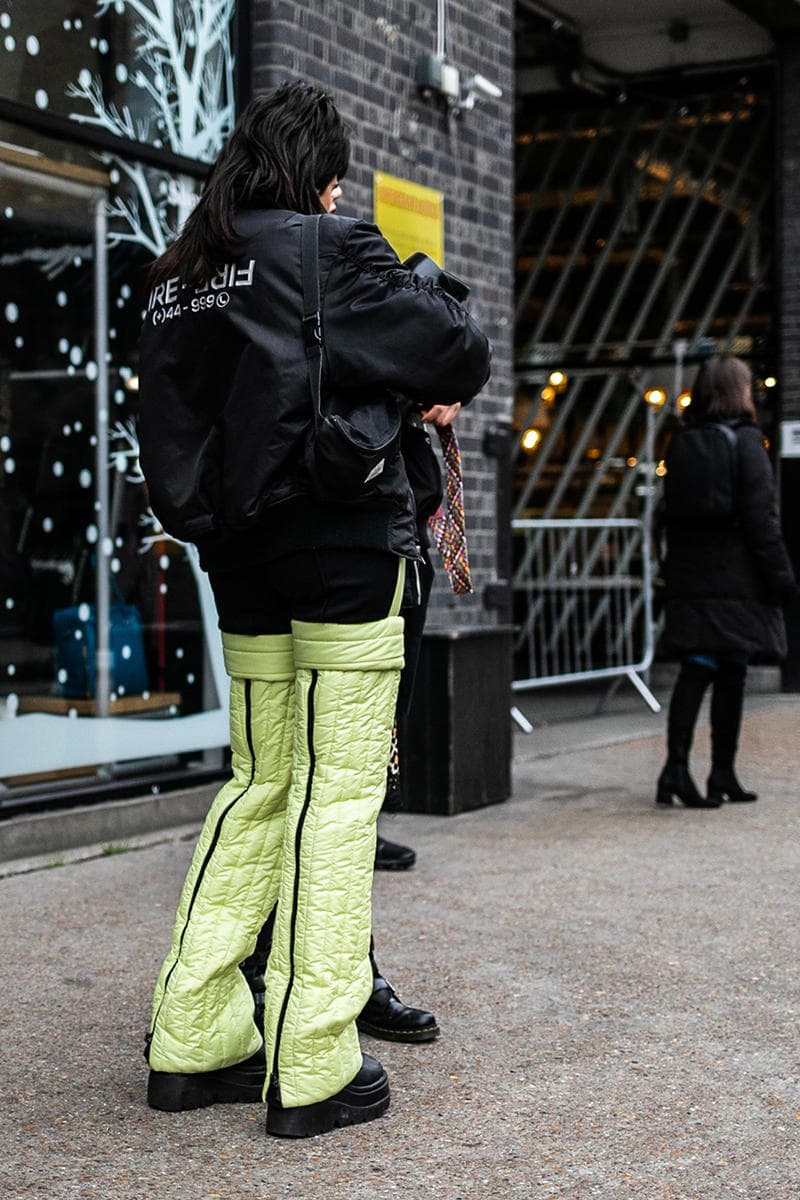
column 727, row 575
column 308, row 585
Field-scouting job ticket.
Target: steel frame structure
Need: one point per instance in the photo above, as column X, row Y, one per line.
column 609, row 370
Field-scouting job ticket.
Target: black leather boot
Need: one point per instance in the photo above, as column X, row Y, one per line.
column 385, row 1016
column 723, row 785
column 675, row 782
column 365, row 1098
column 727, row 701
column 243, row 1083
column 390, row 856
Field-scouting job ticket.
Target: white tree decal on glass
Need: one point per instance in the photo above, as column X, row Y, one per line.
column 179, row 95
column 186, row 71
column 124, row 457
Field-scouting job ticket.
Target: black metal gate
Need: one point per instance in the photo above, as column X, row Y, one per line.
column 644, row 236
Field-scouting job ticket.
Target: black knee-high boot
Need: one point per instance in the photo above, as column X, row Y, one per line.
column 727, row 698
column 254, row 969
column 687, row 696
column 383, row 1016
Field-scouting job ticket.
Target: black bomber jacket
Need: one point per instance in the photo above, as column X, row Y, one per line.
column 225, row 405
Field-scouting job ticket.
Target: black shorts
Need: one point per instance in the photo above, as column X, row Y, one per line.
column 340, row 586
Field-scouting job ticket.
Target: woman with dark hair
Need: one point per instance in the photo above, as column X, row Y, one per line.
column 727, row 574
column 308, row 592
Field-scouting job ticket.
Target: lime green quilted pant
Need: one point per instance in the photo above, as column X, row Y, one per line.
column 311, row 719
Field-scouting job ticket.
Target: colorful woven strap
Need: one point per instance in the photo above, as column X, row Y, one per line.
column 447, row 524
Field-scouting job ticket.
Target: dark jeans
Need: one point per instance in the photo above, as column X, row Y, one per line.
column 734, row 658
column 340, row 586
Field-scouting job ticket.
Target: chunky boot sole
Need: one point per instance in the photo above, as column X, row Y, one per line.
column 173, row 1091
column 386, row 1034
column 389, row 856
column 354, row 1105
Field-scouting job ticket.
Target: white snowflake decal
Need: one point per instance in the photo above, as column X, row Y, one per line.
column 186, row 69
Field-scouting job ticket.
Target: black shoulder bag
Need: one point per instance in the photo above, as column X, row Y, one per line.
column 347, row 451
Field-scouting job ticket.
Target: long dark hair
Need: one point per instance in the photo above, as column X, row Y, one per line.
column 723, row 391
column 285, row 149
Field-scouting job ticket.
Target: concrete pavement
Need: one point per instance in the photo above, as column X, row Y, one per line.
column 616, row 984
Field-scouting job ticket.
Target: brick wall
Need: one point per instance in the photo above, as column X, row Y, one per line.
column 788, row 189
column 788, row 302
column 365, row 53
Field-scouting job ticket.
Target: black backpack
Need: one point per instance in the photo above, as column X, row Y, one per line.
column 700, row 483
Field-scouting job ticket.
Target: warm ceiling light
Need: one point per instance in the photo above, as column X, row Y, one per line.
column 548, row 394
column 684, row 400
column 656, row 397
column 593, row 452
column 557, row 378
column 770, row 381
column 530, row 439
column 661, row 469
column 633, row 461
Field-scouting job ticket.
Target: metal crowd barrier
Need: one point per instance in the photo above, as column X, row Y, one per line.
column 582, row 603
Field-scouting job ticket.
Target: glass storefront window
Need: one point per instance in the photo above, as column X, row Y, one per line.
column 166, row 683
column 110, row 660
column 154, row 72
column 46, row 45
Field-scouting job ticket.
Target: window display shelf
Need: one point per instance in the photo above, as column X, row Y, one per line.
column 154, row 702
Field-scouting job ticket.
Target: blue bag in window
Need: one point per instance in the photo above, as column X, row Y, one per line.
column 75, row 646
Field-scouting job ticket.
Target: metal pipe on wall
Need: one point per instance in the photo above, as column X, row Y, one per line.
column 441, row 27
column 104, row 543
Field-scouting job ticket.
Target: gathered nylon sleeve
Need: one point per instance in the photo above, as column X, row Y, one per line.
column 758, row 516
column 384, row 328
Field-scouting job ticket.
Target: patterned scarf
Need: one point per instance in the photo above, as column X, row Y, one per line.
column 448, row 527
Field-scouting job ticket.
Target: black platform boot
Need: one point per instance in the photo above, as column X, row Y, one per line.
column 385, row 1016
column 675, row 782
column 727, row 699
column 363, row 1099
column 242, row 1083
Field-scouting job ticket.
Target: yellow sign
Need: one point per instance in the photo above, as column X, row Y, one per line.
column 410, row 217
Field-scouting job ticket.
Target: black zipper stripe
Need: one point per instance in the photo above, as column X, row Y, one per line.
column 248, row 720
column 296, row 888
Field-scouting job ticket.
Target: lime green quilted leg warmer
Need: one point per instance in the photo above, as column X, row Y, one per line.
column 319, row 969
column 202, row 1008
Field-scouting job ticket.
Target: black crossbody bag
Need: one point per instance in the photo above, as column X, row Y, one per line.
column 350, row 445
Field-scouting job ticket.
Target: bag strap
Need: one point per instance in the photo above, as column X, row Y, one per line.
column 116, row 589
column 112, row 579
column 733, row 445
column 312, row 319
column 730, row 436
